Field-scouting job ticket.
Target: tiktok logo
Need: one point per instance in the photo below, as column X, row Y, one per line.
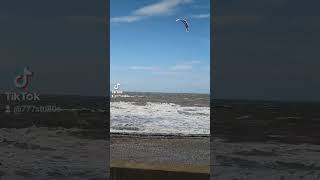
column 116, row 87
column 22, row 81
column 116, row 92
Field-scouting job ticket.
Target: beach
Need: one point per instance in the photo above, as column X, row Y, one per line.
column 75, row 143
column 171, row 153
column 160, row 136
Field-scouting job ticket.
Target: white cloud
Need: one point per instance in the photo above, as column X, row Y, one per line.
column 177, row 68
column 143, row 68
column 164, row 7
column 181, row 67
column 201, row 16
column 194, row 62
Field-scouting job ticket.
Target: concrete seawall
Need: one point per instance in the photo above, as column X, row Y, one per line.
column 143, row 174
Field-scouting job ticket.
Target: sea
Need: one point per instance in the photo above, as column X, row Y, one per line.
column 160, row 114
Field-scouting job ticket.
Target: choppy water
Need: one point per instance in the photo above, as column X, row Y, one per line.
column 159, row 113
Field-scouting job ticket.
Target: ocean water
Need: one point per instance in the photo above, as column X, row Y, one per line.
column 160, row 113
column 262, row 121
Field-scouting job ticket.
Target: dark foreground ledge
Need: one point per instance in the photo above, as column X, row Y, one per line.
column 143, row 174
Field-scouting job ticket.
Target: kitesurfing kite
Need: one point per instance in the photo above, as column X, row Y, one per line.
column 185, row 23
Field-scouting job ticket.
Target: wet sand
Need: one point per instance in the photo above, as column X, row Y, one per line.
column 181, row 154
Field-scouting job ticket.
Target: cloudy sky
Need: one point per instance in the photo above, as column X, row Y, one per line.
column 151, row 52
column 63, row 43
column 267, row 49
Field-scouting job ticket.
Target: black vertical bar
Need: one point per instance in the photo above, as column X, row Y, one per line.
column 107, row 41
column 212, row 75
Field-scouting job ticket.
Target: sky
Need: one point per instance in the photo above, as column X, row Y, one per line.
column 151, row 52
column 62, row 42
column 267, row 49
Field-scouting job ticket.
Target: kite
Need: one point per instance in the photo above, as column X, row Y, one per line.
column 185, row 23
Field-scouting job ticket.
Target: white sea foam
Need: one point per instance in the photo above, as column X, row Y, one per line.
column 159, row 118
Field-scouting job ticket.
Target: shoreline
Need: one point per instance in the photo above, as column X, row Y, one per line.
column 174, row 153
column 159, row 135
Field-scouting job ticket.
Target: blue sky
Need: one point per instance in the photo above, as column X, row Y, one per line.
column 151, row 52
